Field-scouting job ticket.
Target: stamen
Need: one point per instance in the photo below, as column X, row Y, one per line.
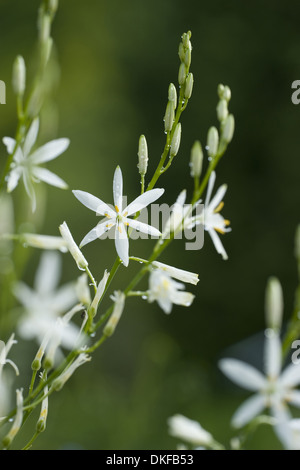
column 117, row 209
column 219, row 208
column 125, row 214
column 227, row 222
column 109, row 225
column 219, row 230
column 107, row 215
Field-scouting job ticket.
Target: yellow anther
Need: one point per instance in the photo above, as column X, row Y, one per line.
column 227, row 222
column 219, row 208
column 219, row 230
column 107, row 215
column 117, row 209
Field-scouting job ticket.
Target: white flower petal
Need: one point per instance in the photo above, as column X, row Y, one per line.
column 210, row 187
column 97, row 232
column 13, row 178
column 94, row 203
column 31, row 137
column 142, row 227
column 218, row 244
column 9, row 144
column 243, row 374
column 48, row 273
column 293, row 397
column 118, row 189
column 251, row 408
column 24, row 294
column 290, row 377
column 282, row 428
column 122, row 243
column 182, row 298
column 64, row 298
column 49, row 151
column 143, row 201
column 48, row 177
column 29, row 188
column 272, row 353
column 218, row 197
column 176, row 273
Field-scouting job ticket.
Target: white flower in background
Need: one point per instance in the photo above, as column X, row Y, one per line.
column 211, row 218
column 72, row 247
column 45, row 302
column 166, row 291
column 4, row 350
column 274, row 390
column 26, row 163
column 118, row 217
column 44, row 242
column 189, row 431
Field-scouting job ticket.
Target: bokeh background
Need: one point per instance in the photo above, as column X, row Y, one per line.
column 116, row 60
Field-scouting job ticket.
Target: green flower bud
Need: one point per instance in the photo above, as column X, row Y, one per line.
column 274, row 304
column 176, row 141
column 196, row 160
column 182, row 74
column 228, row 129
column 172, row 96
column 19, row 76
column 212, row 142
column 169, row 116
column 189, row 86
column 143, row 155
column 222, row 110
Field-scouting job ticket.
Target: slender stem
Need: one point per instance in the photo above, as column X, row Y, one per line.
column 29, row 444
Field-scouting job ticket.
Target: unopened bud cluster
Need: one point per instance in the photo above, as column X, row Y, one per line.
column 185, row 78
column 217, row 140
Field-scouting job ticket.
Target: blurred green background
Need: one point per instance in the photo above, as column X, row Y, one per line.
column 116, row 60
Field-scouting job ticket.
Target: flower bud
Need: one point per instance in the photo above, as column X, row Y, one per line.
column 274, row 304
column 172, row 95
column 196, row 160
column 169, row 116
column 44, row 242
column 99, row 294
column 19, row 76
column 222, row 110
column 119, row 299
column 212, row 142
column 189, row 86
column 41, row 424
column 143, row 155
column 228, row 129
column 58, row 383
column 72, row 247
column 175, row 144
column 17, row 422
column 182, row 74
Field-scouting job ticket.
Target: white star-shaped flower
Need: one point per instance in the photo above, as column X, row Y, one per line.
column 117, row 216
column 45, row 303
column 274, row 390
column 26, row 163
column 166, row 291
column 211, row 218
